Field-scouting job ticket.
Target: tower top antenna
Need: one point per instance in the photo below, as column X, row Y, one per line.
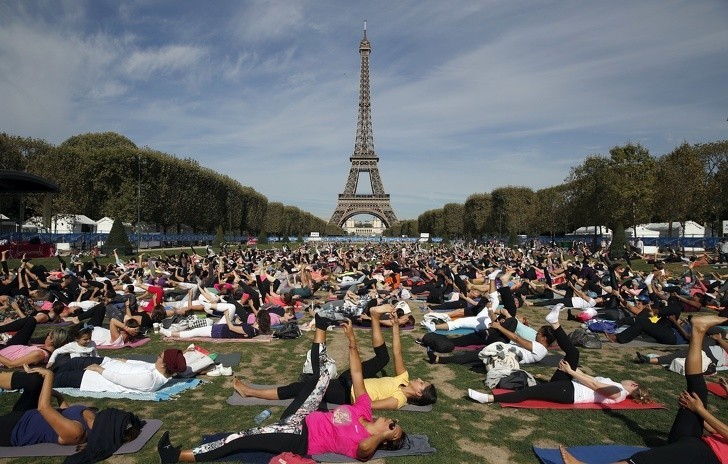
column 365, row 28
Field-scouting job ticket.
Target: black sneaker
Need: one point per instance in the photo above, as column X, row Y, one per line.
column 167, row 453
column 642, row 359
column 431, row 356
column 711, row 370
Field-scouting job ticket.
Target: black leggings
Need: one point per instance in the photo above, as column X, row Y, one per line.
column 70, row 374
column 472, row 356
column 23, row 329
column 660, row 332
column 31, row 384
column 95, row 315
column 339, row 391
column 683, row 442
column 560, row 388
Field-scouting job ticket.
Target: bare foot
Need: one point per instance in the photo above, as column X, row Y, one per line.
column 567, row 457
column 5, row 255
column 239, row 386
column 611, row 337
column 701, row 324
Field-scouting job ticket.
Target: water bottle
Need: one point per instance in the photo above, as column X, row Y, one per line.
column 262, row 415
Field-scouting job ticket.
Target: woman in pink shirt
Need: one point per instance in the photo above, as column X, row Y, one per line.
column 350, row 430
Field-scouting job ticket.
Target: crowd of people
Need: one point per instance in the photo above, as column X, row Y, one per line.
column 247, row 292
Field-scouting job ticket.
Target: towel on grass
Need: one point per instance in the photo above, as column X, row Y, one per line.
column 170, row 391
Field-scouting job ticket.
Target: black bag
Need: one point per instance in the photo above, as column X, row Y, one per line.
column 585, row 339
column 288, row 331
column 516, row 380
column 167, row 322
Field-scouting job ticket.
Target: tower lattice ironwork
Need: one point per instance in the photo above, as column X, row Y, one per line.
column 364, row 159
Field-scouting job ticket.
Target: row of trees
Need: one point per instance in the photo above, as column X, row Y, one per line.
column 105, row 174
column 102, row 174
column 626, row 188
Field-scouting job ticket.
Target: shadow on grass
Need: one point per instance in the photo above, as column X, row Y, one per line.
column 651, row 437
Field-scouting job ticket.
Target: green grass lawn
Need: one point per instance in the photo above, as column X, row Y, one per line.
column 461, row 430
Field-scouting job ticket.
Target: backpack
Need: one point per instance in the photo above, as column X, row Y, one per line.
column 288, row 331
column 585, row 339
column 518, row 379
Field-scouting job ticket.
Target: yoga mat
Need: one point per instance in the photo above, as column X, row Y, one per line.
column 717, row 389
column 384, row 327
column 469, row 348
column 258, row 339
column 170, row 391
column 51, row 449
column 629, row 403
column 415, row 445
column 593, row 454
column 134, row 344
column 550, row 360
column 455, row 332
column 236, row 400
column 641, row 343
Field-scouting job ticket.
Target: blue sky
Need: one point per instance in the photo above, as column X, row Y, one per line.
column 467, row 96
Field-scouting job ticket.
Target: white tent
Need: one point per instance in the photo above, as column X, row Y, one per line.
column 689, row 229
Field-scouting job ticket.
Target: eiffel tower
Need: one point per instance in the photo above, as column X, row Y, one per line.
column 364, row 159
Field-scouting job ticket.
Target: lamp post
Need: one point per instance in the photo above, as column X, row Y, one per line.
column 139, row 200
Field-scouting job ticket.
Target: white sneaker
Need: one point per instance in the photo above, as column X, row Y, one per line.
column 480, row 397
column 553, row 316
column 226, row 371
column 4, row 338
column 430, row 325
column 494, row 274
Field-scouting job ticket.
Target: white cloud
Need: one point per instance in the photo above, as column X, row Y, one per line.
column 143, row 64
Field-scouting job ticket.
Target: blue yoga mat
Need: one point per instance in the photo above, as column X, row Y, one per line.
column 592, row 454
column 455, row 332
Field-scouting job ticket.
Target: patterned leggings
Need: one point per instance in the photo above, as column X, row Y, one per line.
column 285, row 435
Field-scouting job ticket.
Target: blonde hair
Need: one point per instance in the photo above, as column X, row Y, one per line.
column 642, row 395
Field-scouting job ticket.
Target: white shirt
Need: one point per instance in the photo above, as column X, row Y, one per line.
column 102, row 336
column 584, row 394
column 537, row 353
column 581, row 303
column 124, row 377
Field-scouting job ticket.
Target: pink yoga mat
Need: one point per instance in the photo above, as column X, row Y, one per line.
column 717, row 389
column 629, row 403
column 134, row 344
column 258, row 339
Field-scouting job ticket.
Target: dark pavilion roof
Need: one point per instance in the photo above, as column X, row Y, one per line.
column 23, row 182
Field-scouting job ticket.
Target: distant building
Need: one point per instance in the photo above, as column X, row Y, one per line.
column 366, row 229
column 103, row 225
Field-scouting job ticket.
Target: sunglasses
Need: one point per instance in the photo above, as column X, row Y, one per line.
column 393, row 424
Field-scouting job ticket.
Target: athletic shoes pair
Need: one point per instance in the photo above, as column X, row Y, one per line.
column 220, row 370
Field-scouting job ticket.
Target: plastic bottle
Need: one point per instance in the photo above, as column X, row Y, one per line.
column 262, row 416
